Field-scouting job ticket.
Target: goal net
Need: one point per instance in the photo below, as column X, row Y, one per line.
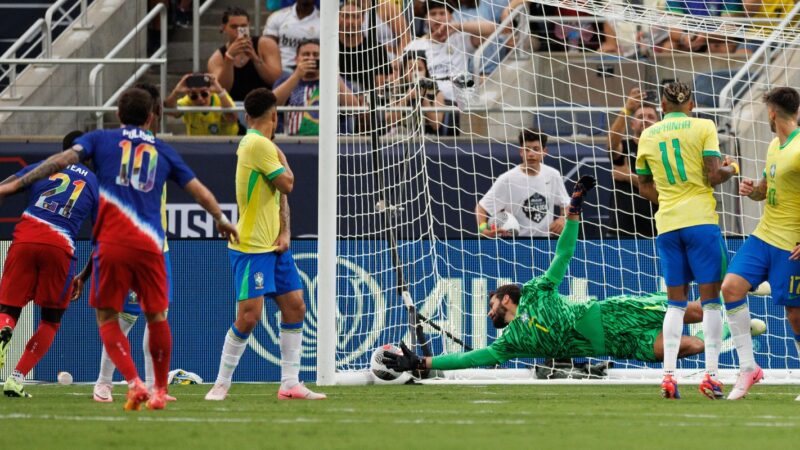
column 427, row 122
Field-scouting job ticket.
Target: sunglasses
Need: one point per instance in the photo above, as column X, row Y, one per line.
column 195, row 95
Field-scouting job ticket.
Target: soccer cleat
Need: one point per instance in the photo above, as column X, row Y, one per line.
column 170, row 398
column 5, row 342
column 669, row 388
column 797, row 399
column 711, row 388
column 158, row 400
column 102, row 392
column 744, row 382
column 300, row 392
column 13, row 388
column 218, row 392
column 137, row 394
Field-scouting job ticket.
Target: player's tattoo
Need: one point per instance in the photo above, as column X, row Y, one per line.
column 285, row 223
column 51, row 165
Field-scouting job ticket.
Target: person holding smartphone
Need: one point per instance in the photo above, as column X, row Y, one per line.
column 203, row 89
column 245, row 62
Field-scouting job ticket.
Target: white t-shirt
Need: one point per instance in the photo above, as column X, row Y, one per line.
column 445, row 59
column 290, row 30
column 530, row 198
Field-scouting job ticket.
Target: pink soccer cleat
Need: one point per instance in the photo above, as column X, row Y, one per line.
column 669, row 388
column 218, row 393
column 300, row 392
column 158, row 400
column 744, row 382
column 711, row 388
column 137, row 394
column 170, row 398
column 102, row 393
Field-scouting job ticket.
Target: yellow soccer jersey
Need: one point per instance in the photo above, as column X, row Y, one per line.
column 258, row 199
column 207, row 123
column 780, row 224
column 672, row 151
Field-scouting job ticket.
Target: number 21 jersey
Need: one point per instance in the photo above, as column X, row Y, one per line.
column 131, row 167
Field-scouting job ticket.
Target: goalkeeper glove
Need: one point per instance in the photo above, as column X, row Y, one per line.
column 582, row 187
column 402, row 363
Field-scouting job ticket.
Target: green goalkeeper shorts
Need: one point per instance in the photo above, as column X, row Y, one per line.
column 632, row 324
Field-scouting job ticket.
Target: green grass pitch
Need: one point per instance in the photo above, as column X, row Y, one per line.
column 407, row 417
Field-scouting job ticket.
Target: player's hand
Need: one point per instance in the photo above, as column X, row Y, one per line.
column 77, row 288
column 405, row 362
column 282, row 243
column 795, row 255
column 228, row 231
column 585, row 184
column 557, row 225
column 746, row 187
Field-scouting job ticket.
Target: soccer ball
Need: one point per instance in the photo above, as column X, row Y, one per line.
column 64, row 378
column 377, row 367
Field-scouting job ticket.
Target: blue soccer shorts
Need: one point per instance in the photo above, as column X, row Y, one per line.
column 758, row 261
column 696, row 253
column 263, row 274
column 131, row 304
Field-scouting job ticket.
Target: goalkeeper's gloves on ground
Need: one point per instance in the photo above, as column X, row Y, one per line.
column 405, row 362
column 582, row 187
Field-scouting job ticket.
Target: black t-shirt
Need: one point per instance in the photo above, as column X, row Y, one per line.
column 633, row 213
column 358, row 65
column 246, row 78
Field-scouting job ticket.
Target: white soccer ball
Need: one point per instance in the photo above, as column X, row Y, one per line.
column 757, row 327
column 505, row 221
column 378, row 369
column 64, row 378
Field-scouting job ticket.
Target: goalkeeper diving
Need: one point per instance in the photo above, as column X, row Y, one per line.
column 542, row 323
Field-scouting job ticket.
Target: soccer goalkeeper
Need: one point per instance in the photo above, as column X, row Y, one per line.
column 543, row 324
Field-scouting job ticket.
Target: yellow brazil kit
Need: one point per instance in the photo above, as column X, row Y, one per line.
column 780, row 224
column 672, row 152
column 258, row 199
column 208, row 123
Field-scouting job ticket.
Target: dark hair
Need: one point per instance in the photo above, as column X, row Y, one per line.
column 154, row 94
column 435, row 4
column 676, row 92
column 784, row 98
column 258, row 102
column 413, row 55
column 134, row 106
column 532, row 135
column 511, row 290
column 233, row 11
column 69, row 139
column 306, row 42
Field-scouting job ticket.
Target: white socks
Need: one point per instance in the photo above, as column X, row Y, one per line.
column 712, row 328
column 149, row 372
column 106, row 375
column 291, row 342
column 235, row 343
column 673, row 330
column 739, row 320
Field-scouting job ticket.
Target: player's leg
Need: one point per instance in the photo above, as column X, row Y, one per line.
column 289, row 298
column 749, row 268
column 9, row 315
column 17, row 287
column 105, row 378
column 677, row 275
column 253, row 277
column 35, row 349
column 793, row 316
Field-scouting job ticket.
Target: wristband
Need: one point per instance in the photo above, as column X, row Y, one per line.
column 482, row 227
column 735, row 166
column 625, row 112
column 222, row 220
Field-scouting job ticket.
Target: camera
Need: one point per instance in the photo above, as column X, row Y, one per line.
column 198, row 80
column 650, row 96
column 463, row 81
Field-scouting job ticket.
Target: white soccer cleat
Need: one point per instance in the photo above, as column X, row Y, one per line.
column 300, row 392
column 744, row 382
column 797, row 399
column 218, row 393
column 102, row 393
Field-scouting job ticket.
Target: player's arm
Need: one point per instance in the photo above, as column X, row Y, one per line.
column 51, row 165
column 757, row 192
column 411, row 361
column 719, row 170
column 9, row 179
column 565, row 247
column 647, row 187
column 206, row 199
column 80, row 280
column 283, row 240
column 284, row 181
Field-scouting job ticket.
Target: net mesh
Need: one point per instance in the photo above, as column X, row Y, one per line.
column 434, row 121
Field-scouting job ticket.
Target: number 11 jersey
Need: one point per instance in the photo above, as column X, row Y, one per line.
column 131, row 167
column 672, row 152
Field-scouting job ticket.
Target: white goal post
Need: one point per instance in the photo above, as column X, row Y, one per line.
column 401, row 173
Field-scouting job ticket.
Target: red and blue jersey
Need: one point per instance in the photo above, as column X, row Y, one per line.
column 58, row 206
column 131, row 167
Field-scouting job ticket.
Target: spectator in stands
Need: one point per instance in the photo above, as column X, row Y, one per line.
column 449, row 45
column 632, row 213
column 203, row 90
column 682, row 40
column 391, row 28
column 289, row 26
column 414, row 87
column 301, row 88
column 529, row 192
column 361, row 57
column 245, row 62
column 274, row 5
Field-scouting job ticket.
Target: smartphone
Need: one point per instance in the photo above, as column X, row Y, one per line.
column 243, row 31
column 651, row 96
column 198, row 80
